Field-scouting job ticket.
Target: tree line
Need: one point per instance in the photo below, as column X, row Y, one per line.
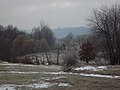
column 103, row 41
column 15, row 43
column 17, row 46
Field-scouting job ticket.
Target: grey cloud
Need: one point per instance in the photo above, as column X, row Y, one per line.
column 28, row 13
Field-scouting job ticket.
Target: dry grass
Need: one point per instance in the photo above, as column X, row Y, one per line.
column 77, row 82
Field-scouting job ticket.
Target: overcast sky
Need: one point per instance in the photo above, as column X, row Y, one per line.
column 26, row 14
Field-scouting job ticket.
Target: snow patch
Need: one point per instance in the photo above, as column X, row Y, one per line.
column 40, row 85
column 11, row 68
column 98, row 75
column 28, row 65
column 82, row 74
column 11, row 64
column 47, row 85
column 91, row 68
column 7, row 87
column 102, row 67
column 35, row 85
column 55, row 73
column 63, row 84
column 86, row 68
column 18, row 72
column 53, row 78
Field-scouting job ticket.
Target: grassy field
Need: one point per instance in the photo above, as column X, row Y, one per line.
column 38, row 77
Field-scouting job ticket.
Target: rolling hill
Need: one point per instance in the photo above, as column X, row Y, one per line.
column 62, row 32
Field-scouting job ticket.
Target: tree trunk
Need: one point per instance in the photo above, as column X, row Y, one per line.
column 47, row 57
column 58, row 53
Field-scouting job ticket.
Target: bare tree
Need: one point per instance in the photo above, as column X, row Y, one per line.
column 105, row 23
column 7, row 35
column 58, row 46
column 43, row 31
column 44, row 48
column 81, row 39
column 17, row 46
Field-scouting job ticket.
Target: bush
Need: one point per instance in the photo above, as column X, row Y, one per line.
column 87, row 52
column 69, row 61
